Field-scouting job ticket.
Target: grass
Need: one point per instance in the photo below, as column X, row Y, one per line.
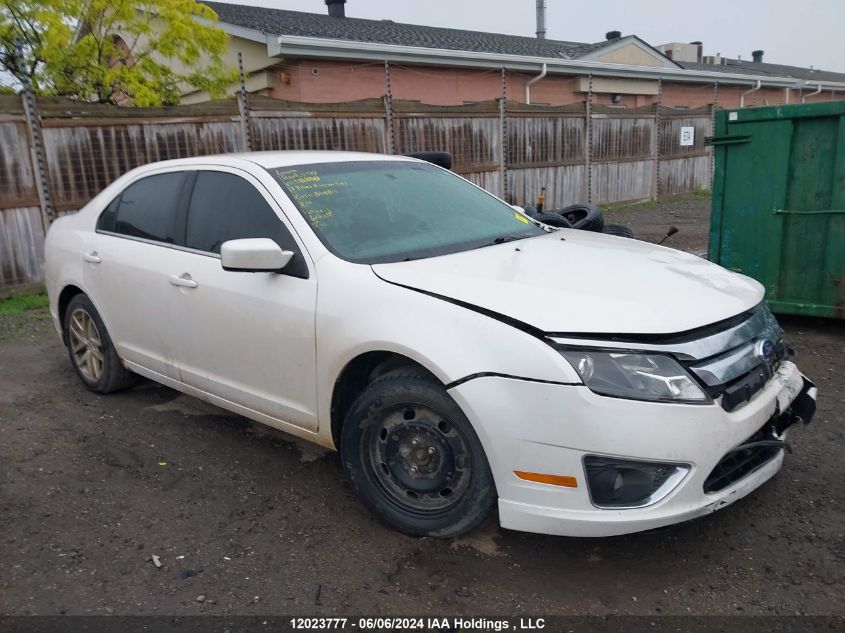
column 17, row 304
column 645, row 203
column 24, row 318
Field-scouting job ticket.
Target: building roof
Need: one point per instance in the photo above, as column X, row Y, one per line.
column 763, row 68
column 283, row 22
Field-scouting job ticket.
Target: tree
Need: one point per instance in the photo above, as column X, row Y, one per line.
column 114, row 51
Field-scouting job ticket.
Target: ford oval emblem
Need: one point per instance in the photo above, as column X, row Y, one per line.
column 764, row 349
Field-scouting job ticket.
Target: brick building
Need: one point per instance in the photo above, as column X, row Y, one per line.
column 332, row 58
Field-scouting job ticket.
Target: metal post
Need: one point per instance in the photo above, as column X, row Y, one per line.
column 588, row 141
column 503, row 122
column 37, row 155
column 657, row 130
column 388, row 111
column 541, row 19
column 243, row 109
column 713, row 107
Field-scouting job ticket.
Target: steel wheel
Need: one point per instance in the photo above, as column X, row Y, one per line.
column 86, row 346
column 412, row 456
column 419, row 458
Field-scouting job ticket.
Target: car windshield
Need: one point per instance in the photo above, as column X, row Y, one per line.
column 388, row 211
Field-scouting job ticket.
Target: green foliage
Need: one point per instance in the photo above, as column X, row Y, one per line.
column 139, row 52
column 21, row 303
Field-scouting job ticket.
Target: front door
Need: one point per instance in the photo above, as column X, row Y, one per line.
column 248, row 338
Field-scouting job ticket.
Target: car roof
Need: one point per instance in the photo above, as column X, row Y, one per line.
column 280, row 158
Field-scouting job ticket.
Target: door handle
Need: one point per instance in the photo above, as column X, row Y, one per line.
column 184, row 280
column 92, row 257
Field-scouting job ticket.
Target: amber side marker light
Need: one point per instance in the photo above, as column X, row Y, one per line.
column 554, row 480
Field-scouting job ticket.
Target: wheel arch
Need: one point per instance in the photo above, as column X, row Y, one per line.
column 360, row 372
column 67, row 293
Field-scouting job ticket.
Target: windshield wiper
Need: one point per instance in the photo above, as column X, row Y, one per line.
column 509, row 238
column 506, row 238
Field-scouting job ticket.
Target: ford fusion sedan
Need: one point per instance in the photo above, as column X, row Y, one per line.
column 460, row 356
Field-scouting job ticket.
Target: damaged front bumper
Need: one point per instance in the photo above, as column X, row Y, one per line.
column 765, row 444
column 546, row 428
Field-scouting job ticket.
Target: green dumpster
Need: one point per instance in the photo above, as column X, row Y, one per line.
column 779, row 203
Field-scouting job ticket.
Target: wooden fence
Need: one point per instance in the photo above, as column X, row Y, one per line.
column 510, row 149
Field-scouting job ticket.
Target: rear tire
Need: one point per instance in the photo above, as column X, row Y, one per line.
column 413, row 458
column 91, row 350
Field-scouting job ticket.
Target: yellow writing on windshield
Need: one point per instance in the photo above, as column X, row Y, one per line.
column 320, row 217
column 311, row 192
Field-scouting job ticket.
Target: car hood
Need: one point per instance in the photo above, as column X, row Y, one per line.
column 579, row 282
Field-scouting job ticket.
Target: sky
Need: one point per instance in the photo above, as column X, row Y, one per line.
column 804, row 33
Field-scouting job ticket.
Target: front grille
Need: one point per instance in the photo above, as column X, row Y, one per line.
column 744, row 388
column 739, row 463
column 740, row 372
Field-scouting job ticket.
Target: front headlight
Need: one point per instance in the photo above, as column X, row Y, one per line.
column 635, row 376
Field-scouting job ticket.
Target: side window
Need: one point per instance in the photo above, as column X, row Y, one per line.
column 147, row 208
column 226, row 207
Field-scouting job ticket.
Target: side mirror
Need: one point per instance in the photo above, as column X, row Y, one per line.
column 253, row 255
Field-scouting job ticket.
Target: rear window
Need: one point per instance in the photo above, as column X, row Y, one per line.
column 146, row 209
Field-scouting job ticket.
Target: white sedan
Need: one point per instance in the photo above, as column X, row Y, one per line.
column 455, row 352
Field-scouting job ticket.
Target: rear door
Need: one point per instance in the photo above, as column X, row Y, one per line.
column 248, row 338
column 126, row 264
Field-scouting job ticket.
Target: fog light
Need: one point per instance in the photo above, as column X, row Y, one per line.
column 617, row 483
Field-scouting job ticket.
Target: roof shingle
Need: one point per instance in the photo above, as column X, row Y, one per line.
column 742, row 67
column 283, row 22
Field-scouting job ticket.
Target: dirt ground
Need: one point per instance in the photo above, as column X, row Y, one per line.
column 246, row 520
column 650, row 220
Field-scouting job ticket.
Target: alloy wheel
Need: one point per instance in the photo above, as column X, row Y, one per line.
column 86, row 345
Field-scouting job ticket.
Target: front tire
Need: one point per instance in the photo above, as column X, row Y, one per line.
column 413, row 458
column 91, row 350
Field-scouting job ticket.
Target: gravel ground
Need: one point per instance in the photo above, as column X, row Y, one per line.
column 247, row 520
column 650, row 220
